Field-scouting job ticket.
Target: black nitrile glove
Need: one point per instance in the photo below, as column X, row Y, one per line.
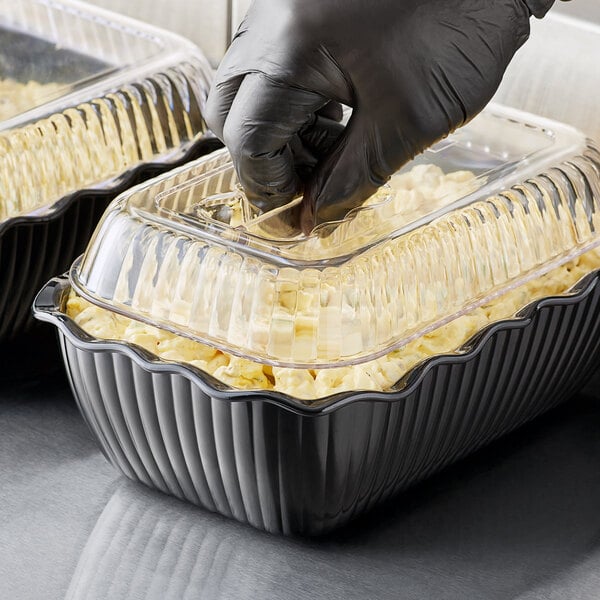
column 413, row 71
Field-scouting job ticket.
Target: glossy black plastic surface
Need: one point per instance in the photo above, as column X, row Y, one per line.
column 269, row 460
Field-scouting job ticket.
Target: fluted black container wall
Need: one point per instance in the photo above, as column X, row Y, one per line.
column 266, row 459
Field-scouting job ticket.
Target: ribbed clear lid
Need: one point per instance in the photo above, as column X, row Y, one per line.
column 86, row 94
column 505, row 199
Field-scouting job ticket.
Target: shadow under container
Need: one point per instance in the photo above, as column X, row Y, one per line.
column 91, row 103
column 295, row 467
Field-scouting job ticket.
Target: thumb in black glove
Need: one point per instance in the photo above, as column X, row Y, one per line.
column 413, row 71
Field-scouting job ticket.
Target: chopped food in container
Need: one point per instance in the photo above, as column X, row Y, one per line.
column 191, row 255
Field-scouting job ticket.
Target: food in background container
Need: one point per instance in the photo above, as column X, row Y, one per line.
column 90, row 102
column 17, row 97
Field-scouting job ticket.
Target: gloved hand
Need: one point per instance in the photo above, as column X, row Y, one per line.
column 413, row 71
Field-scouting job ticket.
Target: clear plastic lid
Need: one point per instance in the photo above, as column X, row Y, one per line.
column 85, row 95
column 503, row 200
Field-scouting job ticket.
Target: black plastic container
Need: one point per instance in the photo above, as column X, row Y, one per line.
column 92, row 103
column 286, row 467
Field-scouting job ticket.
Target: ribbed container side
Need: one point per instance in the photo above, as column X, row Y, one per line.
column 296, row 472
column 30, row 253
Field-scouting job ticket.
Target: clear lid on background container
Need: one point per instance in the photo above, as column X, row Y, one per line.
column 86, row 94
column 505, row 199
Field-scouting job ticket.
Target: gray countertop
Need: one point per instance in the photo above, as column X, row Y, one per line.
column 519, row 519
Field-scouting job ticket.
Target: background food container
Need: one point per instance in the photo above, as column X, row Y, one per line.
column 90, row 103
column 285, row 466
